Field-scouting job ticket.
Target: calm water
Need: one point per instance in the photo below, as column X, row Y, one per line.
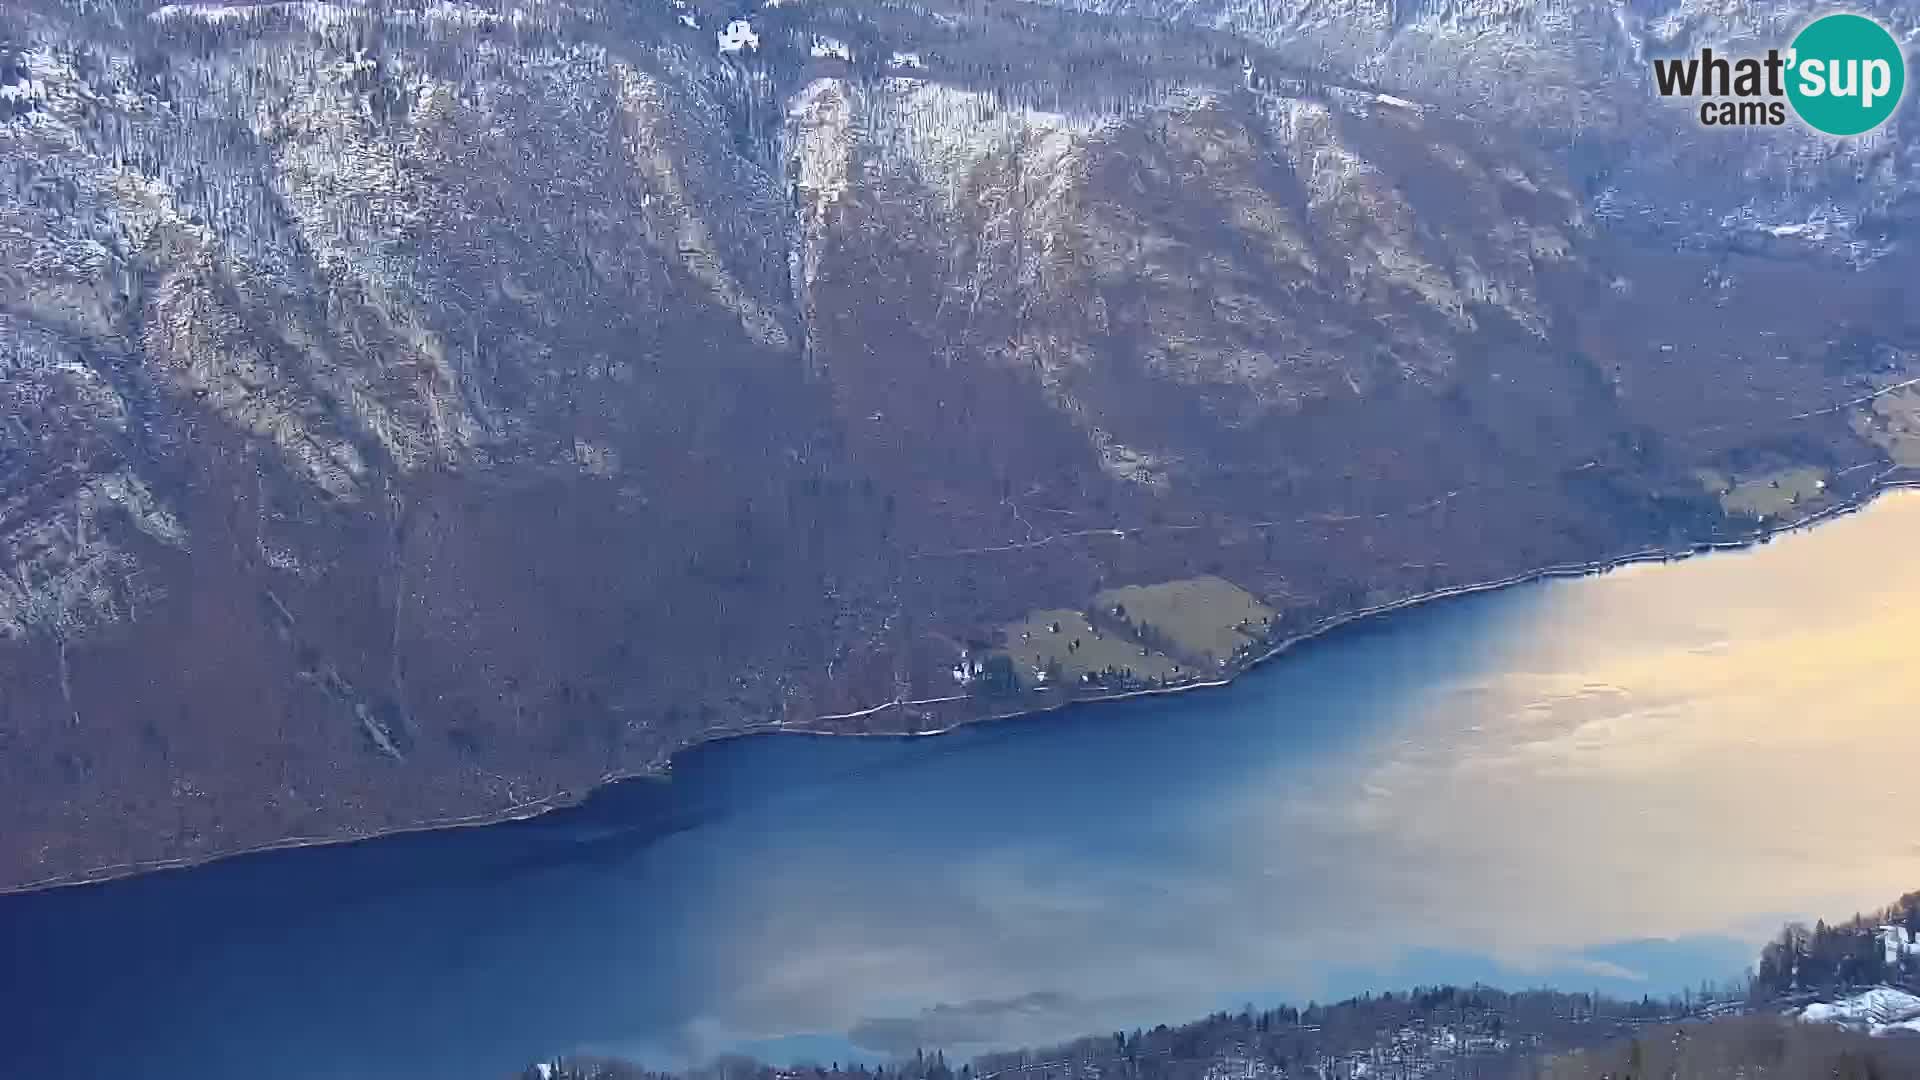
column 1622, row 782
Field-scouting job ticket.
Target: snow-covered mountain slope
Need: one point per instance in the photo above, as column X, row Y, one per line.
column 416, row 411
column 1577, row 74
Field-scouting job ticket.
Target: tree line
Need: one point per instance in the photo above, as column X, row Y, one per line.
column 1447, row 1031
column 1843, row 955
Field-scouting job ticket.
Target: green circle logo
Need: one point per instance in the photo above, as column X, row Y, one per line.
column 1845, row 74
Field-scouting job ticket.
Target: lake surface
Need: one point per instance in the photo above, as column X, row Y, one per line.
column 1622, row 782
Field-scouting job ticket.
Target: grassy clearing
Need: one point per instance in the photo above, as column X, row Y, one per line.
column 1893, row 422
column 1773, row 494
column 1079, row 648
column 1203, row 619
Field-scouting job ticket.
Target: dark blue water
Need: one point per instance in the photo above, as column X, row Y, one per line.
column 1568, row 783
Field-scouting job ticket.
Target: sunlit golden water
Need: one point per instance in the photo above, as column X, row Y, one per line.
column 1661, row 752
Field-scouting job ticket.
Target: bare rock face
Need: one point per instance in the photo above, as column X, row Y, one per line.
column 419, row 412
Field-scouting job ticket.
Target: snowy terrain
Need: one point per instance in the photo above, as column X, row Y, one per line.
column 1882, row 1010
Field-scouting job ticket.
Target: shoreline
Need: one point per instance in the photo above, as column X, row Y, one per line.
column 562, row 800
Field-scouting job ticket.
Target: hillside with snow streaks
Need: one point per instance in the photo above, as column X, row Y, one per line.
column 1577, row 74
column 421, row 411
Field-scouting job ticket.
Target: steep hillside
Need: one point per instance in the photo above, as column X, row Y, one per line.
column 1576, row 76
column 418, row 412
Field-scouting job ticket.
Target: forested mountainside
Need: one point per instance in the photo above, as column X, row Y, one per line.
column 1776, row 1027
column 1441, row 1042
column 418, row 412
column 1732, row 1048
column 1864, row 950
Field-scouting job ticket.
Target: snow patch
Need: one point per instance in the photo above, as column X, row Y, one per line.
column 212, row 13
column 1898, row 942
column 1130, row 464
column 24, row 90
column 1879, row 1011
column 312, row 14
column 826, row 48
column 739, row 36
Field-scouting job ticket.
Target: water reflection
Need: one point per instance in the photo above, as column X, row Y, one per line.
column 1620, row 782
